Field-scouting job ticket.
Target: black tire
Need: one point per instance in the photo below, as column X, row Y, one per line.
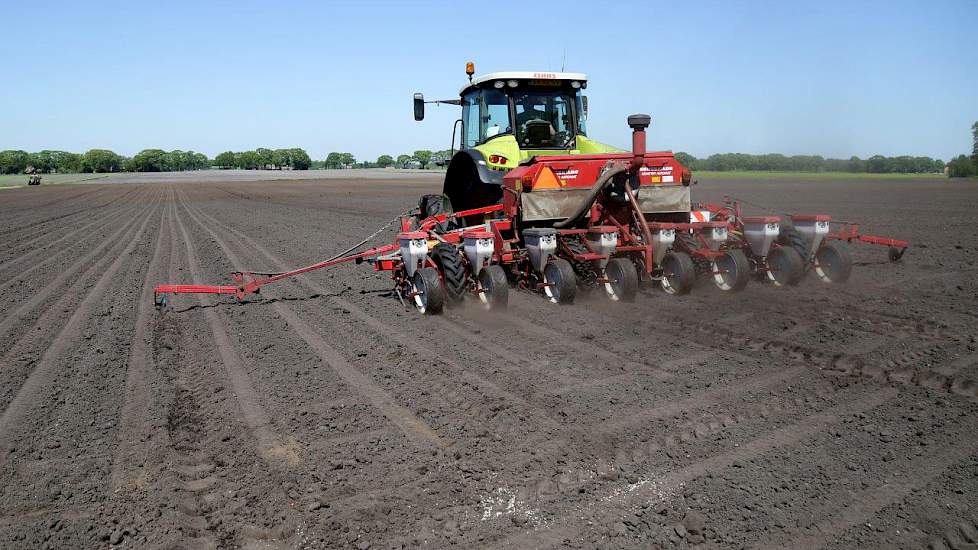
column 833, row 262
column 495, row 287
column 624, row 280
column 432, row 205
column 691, row 243
column 731, row 271
column 583, row 269
column 452, row 268
column 894, row 253
column 430, row 297
column 785, row 266
column 560, row 275
column 678, row 273
column 789, row 236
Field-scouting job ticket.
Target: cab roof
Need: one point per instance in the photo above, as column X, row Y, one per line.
column 522, row 75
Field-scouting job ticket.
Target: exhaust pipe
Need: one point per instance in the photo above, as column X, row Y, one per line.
column 638, row 123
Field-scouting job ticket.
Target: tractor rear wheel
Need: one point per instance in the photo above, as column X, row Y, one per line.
column 789, row 236
column 785, row 266
column 429, row 296
column 623, row 283
column 432, row 205
column 678, row 273
column 833, row 262
column 561, row 282
column 731, row 271
column 495, row 287
column 449, row 262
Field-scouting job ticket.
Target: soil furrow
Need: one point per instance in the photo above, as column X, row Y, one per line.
column 42, row 373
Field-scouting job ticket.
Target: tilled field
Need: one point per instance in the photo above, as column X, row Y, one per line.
column 324, row 415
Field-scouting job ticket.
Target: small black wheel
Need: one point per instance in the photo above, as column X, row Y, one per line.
column 160, row 301
column 561, row 282
column 833, row 262
column 678, row 273
column 495, row 287
column 623, row 280
column 452, row 268
column 429, row 295
column 895, row 253
column 731, row 271
column 432, row 205
column 785, row 266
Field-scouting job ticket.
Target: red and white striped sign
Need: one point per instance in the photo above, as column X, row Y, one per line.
column 699, row 216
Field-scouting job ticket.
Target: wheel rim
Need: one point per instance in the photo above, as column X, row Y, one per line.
column 551, row 278
column 614, row 286
column 420, row 294
column 668, row 271
column 724, row 272
column 485, row 297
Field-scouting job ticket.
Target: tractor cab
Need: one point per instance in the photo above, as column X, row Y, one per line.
column 507, row 119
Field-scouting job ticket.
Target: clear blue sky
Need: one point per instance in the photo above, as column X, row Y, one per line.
column 829, row 78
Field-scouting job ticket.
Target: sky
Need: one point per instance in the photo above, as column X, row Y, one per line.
column 830, row 78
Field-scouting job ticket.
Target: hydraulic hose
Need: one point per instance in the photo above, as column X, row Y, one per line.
column 601, row 183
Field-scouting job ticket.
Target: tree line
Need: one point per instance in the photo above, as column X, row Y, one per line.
column 964, row 166
column 422, row 159
column 876, row 164
column 265, row 159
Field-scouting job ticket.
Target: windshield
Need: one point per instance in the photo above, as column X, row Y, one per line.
column 544, row 119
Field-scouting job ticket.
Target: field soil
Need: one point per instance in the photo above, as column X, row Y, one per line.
column 323, row 414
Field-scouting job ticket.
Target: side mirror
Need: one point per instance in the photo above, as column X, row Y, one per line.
column 418, row 106
column 584, row 101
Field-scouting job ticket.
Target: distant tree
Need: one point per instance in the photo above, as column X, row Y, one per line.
column 403, row 160
column 224, row 160
column 149, row 160
column 13, row 162
column 298, row 159
column 266, row 158
column 347, row 159
column 685, row 159
column 962, row 167
column 974, row 148
column 384, row 161
column 248, row 160
column 334, row 160
column 423, row 157
column 101, row 160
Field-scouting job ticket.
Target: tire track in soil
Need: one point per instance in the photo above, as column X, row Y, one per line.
column 43, row 372
column 278, row 452
column 53, row 256
column 865, row 504
column 66, row 275
column 391, row 333
column 412, row 426
column 571, row 525
column 211, row 509
column 135, row 436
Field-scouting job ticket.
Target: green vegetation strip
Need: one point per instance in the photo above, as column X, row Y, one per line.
column 745, row 174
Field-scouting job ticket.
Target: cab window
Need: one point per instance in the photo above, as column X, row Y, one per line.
column 470, row 118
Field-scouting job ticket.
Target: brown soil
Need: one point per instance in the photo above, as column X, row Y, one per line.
column 324, row 415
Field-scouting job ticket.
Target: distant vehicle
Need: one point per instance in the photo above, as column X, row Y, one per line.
column 33, row 177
